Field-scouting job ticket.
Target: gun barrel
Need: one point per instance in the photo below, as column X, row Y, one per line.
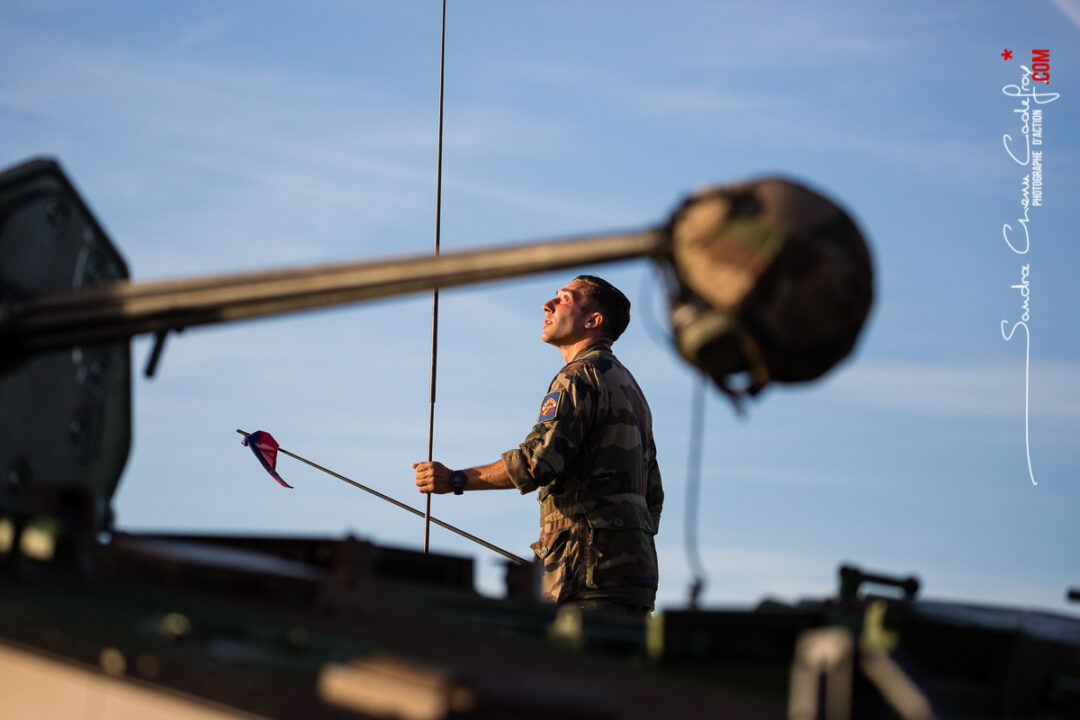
column 123, row 308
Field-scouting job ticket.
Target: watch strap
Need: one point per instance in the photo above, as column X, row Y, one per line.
column 457, row 481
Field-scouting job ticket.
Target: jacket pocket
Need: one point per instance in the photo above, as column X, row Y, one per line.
column 558, row 555
column 619, row 546
column 549, row 541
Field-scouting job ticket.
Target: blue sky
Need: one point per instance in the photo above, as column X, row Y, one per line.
column 218, row 136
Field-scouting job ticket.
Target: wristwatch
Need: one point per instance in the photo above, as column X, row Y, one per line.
column 457, row 481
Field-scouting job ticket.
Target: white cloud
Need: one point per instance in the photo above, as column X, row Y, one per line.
column 1070, row 9
column 212, row 160
column 962, row 391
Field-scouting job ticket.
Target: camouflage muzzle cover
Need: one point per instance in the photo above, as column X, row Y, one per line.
column 770, row 278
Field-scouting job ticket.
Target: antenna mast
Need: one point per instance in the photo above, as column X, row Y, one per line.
column 435, row 292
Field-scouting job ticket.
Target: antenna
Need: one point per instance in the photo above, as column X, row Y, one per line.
column 435, row 292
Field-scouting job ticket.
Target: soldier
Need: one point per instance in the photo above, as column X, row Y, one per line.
column 592, row 458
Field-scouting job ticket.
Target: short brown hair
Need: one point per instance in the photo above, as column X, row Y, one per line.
column 603, row 297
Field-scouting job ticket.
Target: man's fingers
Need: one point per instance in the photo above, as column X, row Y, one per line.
column 426, row 475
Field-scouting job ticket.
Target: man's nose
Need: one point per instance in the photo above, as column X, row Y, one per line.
column 549, row 306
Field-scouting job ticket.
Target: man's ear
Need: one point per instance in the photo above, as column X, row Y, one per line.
column 595, row 320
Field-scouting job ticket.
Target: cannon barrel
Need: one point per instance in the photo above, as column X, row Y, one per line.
column 764, row 276
column 122, row 308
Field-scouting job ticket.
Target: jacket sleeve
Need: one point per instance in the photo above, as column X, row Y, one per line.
column 553, row 445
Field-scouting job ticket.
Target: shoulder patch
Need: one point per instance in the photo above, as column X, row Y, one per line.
column 549, row 406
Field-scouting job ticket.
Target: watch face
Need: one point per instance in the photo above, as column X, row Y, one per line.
column 457, row 479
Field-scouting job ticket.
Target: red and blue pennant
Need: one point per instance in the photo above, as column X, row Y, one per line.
column 265, row 448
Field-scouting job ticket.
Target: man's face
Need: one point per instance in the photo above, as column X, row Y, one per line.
column 566, row 317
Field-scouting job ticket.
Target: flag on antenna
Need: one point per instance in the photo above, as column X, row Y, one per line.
column 265, row 448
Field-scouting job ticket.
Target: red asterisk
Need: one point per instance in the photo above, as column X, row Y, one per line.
column 1007, row 55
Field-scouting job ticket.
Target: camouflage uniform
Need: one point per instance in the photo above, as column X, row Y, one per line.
column 592, row 456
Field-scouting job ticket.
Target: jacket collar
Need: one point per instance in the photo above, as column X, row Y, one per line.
column 594, row 348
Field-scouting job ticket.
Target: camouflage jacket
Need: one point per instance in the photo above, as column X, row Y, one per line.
column 592, row 457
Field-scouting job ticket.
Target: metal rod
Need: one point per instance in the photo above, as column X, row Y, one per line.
column 435, row 292
column 122, row 309
column 505, row 553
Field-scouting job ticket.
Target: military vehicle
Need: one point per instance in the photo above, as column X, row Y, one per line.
column 769, row 282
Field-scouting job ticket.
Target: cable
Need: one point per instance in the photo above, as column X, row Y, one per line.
column 647, row 292
column 693, row 488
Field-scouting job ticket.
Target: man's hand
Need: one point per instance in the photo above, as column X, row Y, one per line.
column 432, row 477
